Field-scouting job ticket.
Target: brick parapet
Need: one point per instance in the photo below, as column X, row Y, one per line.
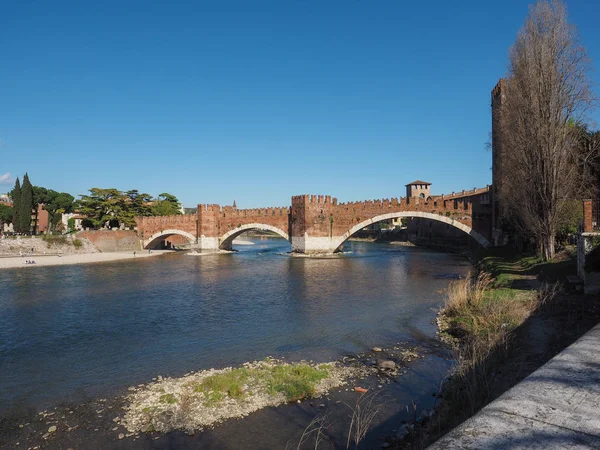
column 588, row 225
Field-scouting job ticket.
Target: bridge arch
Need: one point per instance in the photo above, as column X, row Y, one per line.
column 425, row 215
column 227, row 239
column 166, row 233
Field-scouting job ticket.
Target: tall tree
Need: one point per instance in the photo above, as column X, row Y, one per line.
column 102, row 206
column 26, row 205
column 58, row 204
column 15, row 196
column 166, row 205
column 6, row 215
column 548, row 88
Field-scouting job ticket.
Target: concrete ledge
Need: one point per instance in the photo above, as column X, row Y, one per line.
column 557, row 406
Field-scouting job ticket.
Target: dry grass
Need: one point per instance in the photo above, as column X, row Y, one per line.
column 479, row 320
column 363, row 413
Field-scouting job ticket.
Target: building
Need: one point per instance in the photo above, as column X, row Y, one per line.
column 418, row 189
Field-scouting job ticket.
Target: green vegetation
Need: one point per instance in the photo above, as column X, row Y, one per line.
column 55, row 203
column 50, row 239
column 61, row 240
column 198, row 400
column 15, row 196
column 481, row 318
column 115, row 207
column 6, row 214
column 168, row 399
column 295, row 381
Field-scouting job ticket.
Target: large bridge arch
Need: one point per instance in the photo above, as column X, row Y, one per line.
column 226, row 240
column 425, row 215
column 166, row 233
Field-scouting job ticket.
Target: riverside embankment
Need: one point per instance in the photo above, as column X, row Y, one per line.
column 36, row 251
column 504, row 325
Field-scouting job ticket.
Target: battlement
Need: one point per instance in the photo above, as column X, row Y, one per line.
column 208, row 207
column 499, row 89
column 317, row 199
column 230, row 211
column 177, row 219
column 463, row 193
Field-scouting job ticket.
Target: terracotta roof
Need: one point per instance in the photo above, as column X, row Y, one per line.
column 419, row 182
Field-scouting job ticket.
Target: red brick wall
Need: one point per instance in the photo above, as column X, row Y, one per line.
column 318, row 215
column 112, row 241
column 322, row 216
column 148, row 226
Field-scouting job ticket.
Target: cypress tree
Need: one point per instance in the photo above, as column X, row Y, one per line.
column 16, row 198
column 26, row 205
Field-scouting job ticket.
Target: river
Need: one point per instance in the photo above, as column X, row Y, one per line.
column 71, row 333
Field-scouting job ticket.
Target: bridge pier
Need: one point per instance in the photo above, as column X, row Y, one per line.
column 307, row 244
column 208, row 243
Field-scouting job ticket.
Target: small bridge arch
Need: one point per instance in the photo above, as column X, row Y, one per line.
column 425, row 215
column 226, row 240
column 163, row 234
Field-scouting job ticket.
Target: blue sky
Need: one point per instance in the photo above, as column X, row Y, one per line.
column 255, row 100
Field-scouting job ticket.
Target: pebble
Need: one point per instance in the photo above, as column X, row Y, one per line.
column 131, row 388
column 322, row 405
column 377, row 349
column 52, row 429
column 121, row 435
column 21, row 426
column 386, row 364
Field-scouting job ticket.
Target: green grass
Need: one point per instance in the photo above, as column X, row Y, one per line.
column 294, row 381
column 168, row 398
column 77, row 243
column 50, row 239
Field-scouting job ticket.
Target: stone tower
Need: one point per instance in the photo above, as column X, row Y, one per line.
column 418, row 189
column 498, row 98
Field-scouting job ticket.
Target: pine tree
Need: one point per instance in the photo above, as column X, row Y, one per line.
column 15, row 195
column 26, row 205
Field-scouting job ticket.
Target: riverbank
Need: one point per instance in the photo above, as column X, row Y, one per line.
column 42, row 260
column 539, row 411
column 503, row 326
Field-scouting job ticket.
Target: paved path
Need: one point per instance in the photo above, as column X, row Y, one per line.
column 557, row 406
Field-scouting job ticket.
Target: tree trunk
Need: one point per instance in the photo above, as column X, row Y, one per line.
column 548, row 250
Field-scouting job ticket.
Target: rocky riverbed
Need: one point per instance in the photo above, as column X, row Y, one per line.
column 376, row 375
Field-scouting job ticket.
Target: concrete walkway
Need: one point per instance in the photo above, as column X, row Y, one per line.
column 557, row 406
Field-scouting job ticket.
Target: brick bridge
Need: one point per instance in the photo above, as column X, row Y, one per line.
column 317, row 223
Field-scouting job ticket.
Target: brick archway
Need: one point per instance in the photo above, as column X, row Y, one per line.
column 165, row 233
column 425, row 215
column 227, row 239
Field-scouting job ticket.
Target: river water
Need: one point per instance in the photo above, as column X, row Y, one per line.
column 70, row 333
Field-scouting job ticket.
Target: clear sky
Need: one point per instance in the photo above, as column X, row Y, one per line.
column 255, row 100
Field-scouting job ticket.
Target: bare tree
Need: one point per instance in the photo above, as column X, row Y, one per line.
column 548, row 90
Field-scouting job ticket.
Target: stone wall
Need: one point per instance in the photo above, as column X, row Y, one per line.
column 112, row 241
